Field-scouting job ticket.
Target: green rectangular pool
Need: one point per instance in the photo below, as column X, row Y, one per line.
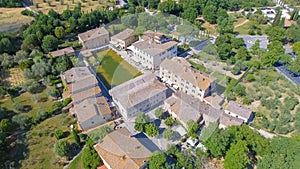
column 113, row 69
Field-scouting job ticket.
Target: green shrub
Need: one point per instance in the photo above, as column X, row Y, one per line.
column 169, row 121
column 291, row 102
column 59, row 134
column 250, row 78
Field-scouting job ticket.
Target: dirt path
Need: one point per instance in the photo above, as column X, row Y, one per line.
column 240, row 24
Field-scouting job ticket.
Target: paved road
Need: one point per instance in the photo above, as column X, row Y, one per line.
column 288, row 74
column 28, row 8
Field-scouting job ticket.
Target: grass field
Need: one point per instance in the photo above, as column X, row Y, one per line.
column 87, row 5
column 26, row 100
column 243, row 29
column 41, row 142
column 113, row 69
column 76, row 163
column 11, row 19
column 15, row 77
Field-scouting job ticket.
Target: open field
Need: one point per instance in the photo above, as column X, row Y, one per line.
column 11, row 19
column 87, row 5
column 15, row 76
column 41, row 141
column 26, row 99
column 243, row 29
column 113, row 69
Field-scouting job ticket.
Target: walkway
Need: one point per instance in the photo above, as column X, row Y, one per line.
column 28, row 8
column 242, row 23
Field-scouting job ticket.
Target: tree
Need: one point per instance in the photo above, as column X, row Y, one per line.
column 224, row 51
column 277, row 19
column 190, row 14
column 157, row 160
column 49, row 43
column 40, row 115
column 210, row 49
column 61, row 148
column 240, row 90
column 90, row 158
column 168, row 134
column 218, row 143
column 210, row 14
column 59, row 134
column 169, row 121
column 53, row 92
column 275, row 33
column 31, row 86
column 159, row 113
column 294, row 66
column 168, row 6
column 6, row 126
column 225, row 26
column 151, row 130
column 276, row 45
column 18, row 107
column 296, row 48
column 242, row 54
column 236, row 157
column 141, row 121
column 284, row 153
column 270, row 58
column 76, row 137
column 192, row 128
column 22, row 120
column 59, row 32
column 129, row 20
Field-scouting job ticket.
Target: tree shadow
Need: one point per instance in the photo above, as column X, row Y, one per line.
column 27, row 108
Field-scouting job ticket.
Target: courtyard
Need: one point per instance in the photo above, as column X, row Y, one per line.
column 112, row 69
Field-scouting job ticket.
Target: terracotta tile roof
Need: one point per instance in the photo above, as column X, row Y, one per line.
column 124, row 34
column 215, row 101
column 227, row 120
column 187, row 107
column 75, row 73
column 83, row 84
column 61, row 52
column 287, row 23
column 178, row 67
column 102, row 167
column 90, row 108
column 238, row 109
column 77, row 97
column 122, row 151
column 93, row 33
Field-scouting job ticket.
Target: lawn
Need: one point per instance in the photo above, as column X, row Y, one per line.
column 243, row 29
column 41, row 142
column 11, row 19
column 113, row 69
column 86, row 5
column 99, row 133
column 25, row 99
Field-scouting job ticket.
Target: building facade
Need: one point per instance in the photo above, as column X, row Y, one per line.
column 94, row 38
column 233, row 109
column 179, row 73
column 152, row 49
column 138, row 95
column 124, row 38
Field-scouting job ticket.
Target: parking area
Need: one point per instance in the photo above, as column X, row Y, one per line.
column 250, row 40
